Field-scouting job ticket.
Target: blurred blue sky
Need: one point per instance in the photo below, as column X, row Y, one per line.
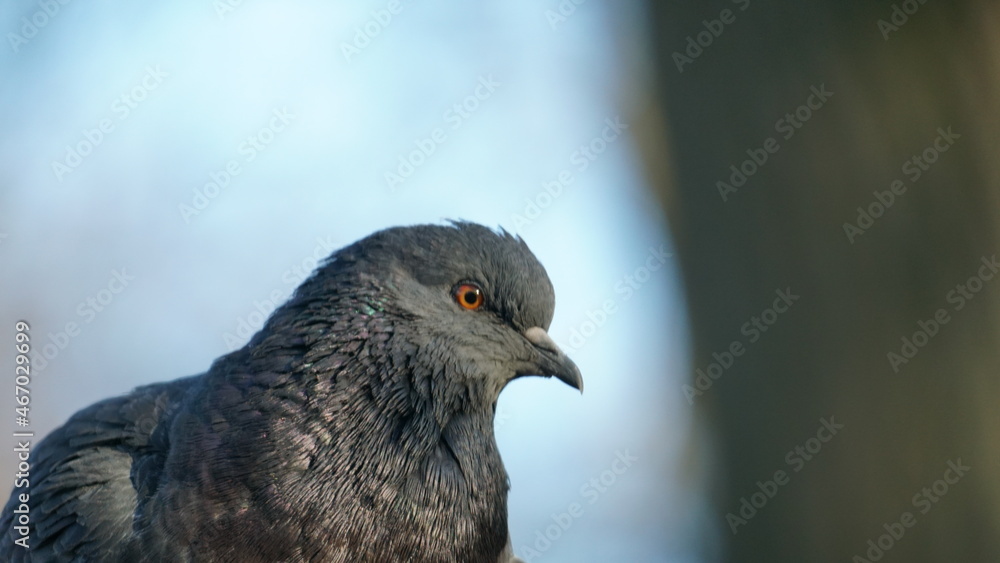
column 312, row 106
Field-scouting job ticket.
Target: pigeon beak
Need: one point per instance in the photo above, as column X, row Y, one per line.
column 553, row 360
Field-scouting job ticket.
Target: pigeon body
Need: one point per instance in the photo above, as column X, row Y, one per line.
column 356, row 426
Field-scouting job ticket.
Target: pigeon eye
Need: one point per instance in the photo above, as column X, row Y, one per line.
column 469, row 296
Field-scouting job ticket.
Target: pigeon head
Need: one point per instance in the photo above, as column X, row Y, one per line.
column 473, row 299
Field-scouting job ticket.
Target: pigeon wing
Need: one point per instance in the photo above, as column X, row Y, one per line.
column 91, row 476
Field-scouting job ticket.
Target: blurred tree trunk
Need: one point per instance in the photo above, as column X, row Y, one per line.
column 896, row 85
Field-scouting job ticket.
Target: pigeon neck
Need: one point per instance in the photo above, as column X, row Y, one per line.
column 413, row 442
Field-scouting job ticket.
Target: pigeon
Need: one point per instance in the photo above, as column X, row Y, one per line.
column 355, row 426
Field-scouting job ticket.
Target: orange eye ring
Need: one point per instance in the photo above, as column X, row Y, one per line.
column 469, row 296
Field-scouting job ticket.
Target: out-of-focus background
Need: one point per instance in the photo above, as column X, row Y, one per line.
column 804, row 369
column 832, row 190
column 171, row 171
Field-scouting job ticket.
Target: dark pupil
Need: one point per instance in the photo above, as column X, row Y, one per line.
column 471, row 296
